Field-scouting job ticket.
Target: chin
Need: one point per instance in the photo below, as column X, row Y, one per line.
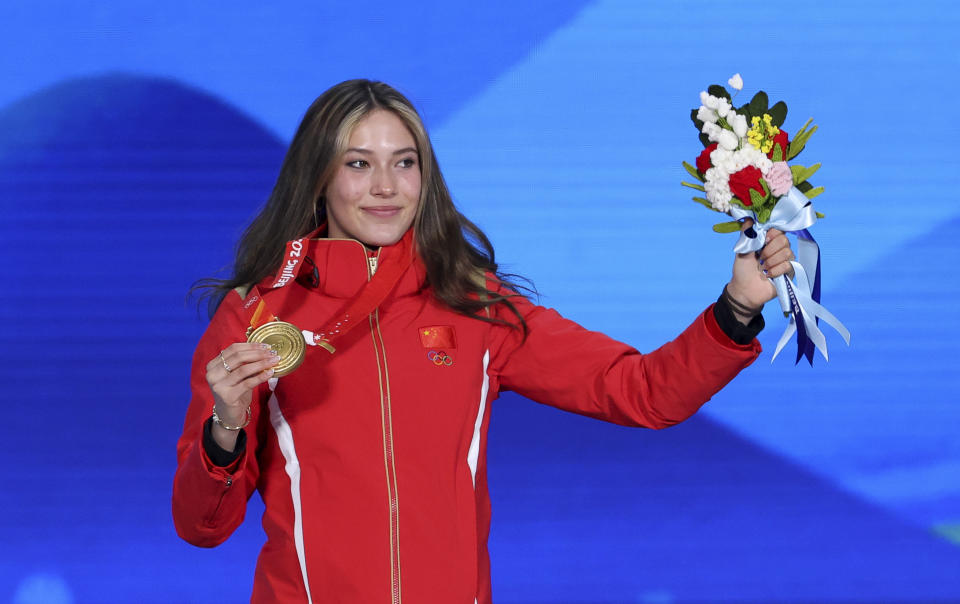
column 381, row 239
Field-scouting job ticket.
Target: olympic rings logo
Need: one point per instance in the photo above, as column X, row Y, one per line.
column 440, row 358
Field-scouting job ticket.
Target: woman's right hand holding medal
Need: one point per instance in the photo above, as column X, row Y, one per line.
column 232, row 375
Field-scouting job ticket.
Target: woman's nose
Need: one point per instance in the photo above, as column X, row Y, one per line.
column 384, row 184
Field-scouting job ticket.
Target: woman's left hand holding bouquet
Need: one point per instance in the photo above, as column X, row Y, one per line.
column 750, row 285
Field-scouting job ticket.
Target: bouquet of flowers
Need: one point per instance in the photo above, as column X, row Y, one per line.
column 744, row 172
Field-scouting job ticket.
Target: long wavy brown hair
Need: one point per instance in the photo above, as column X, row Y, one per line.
column 455, row 251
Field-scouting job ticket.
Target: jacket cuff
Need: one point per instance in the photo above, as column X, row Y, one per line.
column 734, row 329
column 217, row 455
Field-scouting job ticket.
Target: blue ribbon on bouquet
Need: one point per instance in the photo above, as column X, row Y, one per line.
column 799, row 298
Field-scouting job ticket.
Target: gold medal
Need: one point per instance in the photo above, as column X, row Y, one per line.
column 284, row 338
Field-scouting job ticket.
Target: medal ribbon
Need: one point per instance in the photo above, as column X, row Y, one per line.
column 370, row 297
column 259, row 316
column 293, row 259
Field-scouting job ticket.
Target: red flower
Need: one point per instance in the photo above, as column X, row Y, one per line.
column 743, row 180
column 703, row 161
column 780, row 140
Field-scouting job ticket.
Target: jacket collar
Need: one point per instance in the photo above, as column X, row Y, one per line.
column 340, row 268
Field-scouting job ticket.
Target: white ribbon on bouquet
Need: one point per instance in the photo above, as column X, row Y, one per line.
column 799, row 297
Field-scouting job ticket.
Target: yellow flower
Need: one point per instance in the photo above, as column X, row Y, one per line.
column 762, row 132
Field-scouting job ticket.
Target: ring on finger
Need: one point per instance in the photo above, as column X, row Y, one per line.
column 224, row 361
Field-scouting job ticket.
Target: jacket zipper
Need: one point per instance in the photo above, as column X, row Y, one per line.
column 386, row 417
column 389, row 461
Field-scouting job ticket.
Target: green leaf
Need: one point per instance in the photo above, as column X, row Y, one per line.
column 804, row 186
column 807, row 134
column 727, row 227
column 796, row 146
column 705, row 202
column 718, row 91
column 819, row 215
column 801, row 173
column 705, row 140
column 696, row 122
column 796, row 170
column 778, row 114
column 813, row 192
column 758, row 104
column 799, row 142
column 810, row 172
column 756, row 197
column 763, row 214
column 802, row 128
column 693, row 172
column 777, row 153
column 693, row 186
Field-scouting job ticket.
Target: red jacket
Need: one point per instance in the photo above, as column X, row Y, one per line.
column 371, row 461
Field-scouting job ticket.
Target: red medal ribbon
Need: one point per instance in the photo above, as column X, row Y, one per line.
column 388, row 273
column 293, row 259
column 373, row 293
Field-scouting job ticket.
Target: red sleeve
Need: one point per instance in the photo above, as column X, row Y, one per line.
column 209, row 502
column 566, row 366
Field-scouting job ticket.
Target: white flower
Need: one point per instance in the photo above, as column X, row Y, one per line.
column 723, row 107
column 736, row 82
column 720, row 159
column 711, row 130
column 723, row 204
column 754, row 157
column 717, row 188
column 706, row 115
column 711, row 102
column 738, row 160
column 719, row 195
column 728, row 140
column 739, row 124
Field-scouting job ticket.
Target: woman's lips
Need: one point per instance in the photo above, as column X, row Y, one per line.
column 382, row 211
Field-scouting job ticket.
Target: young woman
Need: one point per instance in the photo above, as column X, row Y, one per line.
column 370, row 453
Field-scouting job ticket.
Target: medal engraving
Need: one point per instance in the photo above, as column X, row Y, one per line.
column 284, row 338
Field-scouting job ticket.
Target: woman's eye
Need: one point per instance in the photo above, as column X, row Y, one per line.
column 407, row 162
column 358, row 163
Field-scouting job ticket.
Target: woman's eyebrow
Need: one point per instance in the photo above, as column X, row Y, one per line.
column 368, row 151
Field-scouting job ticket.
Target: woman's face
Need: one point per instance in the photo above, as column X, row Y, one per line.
column 375, row 190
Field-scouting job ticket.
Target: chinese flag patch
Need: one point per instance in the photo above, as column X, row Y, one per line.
column 438, row 336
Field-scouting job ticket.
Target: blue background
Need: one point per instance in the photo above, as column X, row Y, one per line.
column 137, row 139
